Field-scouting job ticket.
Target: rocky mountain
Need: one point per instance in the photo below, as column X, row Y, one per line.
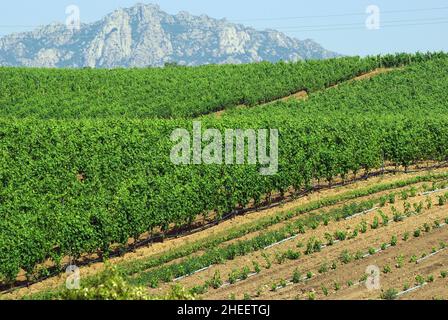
column 146, row 36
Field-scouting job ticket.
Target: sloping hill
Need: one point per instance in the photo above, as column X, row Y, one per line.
column 85, row 186
column 144, row 36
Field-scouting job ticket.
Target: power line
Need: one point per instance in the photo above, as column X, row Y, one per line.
column 284, row 18
column 381, row 27
column 361, row 24
column 359, row 27
column 303, row 28
column 339, row 15
column 326, row 27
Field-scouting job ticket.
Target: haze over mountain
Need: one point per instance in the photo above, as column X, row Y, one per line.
column 144, row 35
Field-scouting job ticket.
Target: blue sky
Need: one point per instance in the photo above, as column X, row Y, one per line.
column 337, row 25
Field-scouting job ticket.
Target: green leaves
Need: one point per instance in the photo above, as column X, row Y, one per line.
column 78, row 186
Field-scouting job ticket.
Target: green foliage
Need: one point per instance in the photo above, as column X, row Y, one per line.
column 297, row 276
column 346, row 257
column 313, row 245
column 420, row 280
column 256, row 265
column 390, row 294
column 376, row 223
column 111, row 285
column 394, row 241
column 292, row 255
column 171, row 92
column 216, row 281
column 100, row 175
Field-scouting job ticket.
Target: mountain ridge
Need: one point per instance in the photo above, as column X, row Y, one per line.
column 144, row 35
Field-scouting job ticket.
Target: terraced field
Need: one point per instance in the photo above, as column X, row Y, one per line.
column 323, row 254
column 361, row 185
column 337, row 270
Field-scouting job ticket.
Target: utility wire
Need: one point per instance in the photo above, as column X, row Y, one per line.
column 362, row 24
column 340, row 15
column 289, row 18
column 381, row 27
column 328, row 27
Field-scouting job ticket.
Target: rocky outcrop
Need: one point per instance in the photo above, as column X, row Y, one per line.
column 146, row 36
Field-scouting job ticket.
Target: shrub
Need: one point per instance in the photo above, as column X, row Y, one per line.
column 337, row 286
column 267, row 260
column 216, row 281
column 404, row 195
column 375, row 224
column 296, row 277
column 400, row 261
column 346, row 257
column 442, row 200
column 417, row 233
column 198, row 290
column 256, row 265
column 283, row 283
column 329, row 238
column 406, row 236
column 280, row 257
column 418, row 207
column 385, row 218
column 340, row 235
column 233, row 276
column 363, row 227
column 390, row 294
column 312, row 246
column 387, row 269
column 323, row 268
column 420, row 280
column 292, row 255
column 428, row 203
column 359, row 255
column 110, row 285
column 407, row 208
column 392, row 198
column 397, row 216
column 394, row 241
column 244, row 274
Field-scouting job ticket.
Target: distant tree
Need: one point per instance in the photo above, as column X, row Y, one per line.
column 172, row 64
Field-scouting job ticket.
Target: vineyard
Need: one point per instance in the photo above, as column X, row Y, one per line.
column 86, row 175
column 174, row 92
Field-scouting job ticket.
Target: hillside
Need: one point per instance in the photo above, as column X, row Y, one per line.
column 72, row 187
column 144, row 35
column 148, row 93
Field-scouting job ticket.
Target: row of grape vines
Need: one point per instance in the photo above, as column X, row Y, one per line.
column 71, row 187
column 172, row 92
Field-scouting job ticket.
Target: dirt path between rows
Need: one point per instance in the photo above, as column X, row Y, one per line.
column 152, row 251
column 303, row 94
column 373, row 238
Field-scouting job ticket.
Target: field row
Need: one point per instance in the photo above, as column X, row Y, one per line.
column 333, row 235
